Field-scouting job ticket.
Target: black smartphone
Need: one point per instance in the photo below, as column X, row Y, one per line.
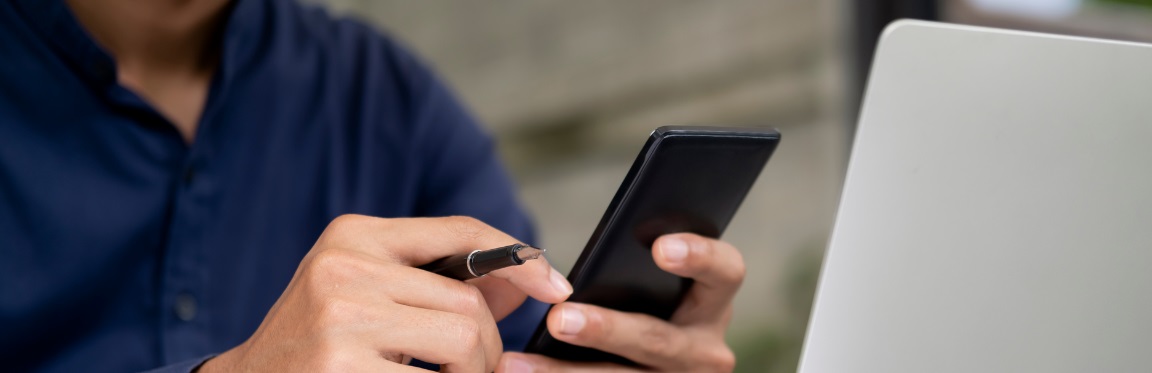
column 686, row 179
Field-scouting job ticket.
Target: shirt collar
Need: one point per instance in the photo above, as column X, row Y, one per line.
column 54, row 21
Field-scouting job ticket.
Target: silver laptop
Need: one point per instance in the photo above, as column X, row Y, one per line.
column 997, row 212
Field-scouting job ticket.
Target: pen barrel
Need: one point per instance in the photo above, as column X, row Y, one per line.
column 455, row 266
column 491, row 260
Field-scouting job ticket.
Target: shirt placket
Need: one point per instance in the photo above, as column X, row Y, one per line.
column 184, row 324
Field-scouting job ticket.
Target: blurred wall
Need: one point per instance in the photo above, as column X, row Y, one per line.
column 572, row 89
column 1110, row 19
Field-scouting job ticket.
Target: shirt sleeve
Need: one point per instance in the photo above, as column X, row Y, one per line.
column 462, row 174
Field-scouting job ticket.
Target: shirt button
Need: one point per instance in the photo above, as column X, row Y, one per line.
column 189, row 175
column 185, row 307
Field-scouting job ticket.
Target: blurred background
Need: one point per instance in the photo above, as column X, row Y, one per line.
column 571, row 90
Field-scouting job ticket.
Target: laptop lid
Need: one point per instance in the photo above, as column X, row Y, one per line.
column 997, row 211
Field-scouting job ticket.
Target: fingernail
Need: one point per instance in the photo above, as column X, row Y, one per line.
column 517, row 365
column 571, row 321
column 559, row 282
column 674, row 249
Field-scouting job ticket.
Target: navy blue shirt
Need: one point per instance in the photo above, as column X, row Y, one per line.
column 124, row 248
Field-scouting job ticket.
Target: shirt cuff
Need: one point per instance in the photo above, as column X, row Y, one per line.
column 186, row 366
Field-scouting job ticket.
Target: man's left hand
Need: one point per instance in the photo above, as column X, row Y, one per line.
column 692, row 341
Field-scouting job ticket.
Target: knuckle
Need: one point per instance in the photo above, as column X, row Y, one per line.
column 721, row 359
column 340, row 230
column 656, row 340
column 598, row 329
column 317, row 273
column 725, row 263
column 336, row 311
column 465, row 227
column 332, row 265
column 738, row 271
column 328, row 258
column 470, row 300
column 345, row 221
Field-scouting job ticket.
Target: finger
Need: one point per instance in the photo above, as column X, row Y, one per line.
column 368, row 297
column 412, row 241
column 422, row 289
column 536, row 278
column 394, row 367
column 401, row 367
column 418, row 241
column 514, row 362
column 360, row 361
column 392, row 331
column 502, row 297
column 638, row 337
column 717, row 268
column 449, row 339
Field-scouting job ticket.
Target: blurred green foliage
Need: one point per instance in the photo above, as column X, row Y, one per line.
column 777, row 349
column 1146, row 3
column 766, row 351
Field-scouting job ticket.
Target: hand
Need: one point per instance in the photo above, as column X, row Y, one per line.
column 693, row 341
column 357, row 304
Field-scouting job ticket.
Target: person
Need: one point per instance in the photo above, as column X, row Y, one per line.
column 248, row 185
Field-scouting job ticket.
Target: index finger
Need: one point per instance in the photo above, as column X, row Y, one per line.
column 417, row 241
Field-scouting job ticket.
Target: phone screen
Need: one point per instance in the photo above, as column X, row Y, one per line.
column 685, row 179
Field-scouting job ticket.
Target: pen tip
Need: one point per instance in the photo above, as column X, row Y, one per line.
column 529, row 253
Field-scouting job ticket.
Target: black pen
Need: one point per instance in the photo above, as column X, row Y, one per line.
column 478, row 263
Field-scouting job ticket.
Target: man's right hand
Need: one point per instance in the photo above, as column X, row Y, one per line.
column 356, row 303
